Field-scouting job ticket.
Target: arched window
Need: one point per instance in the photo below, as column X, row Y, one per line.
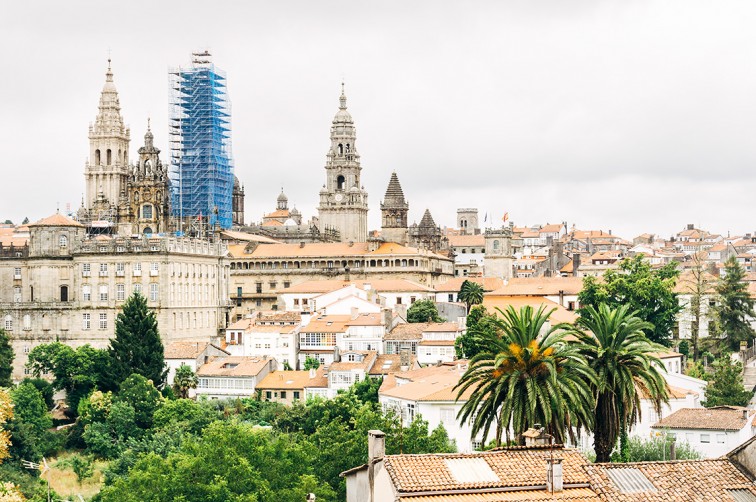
column 110, row 156
column 348, row 148
column 341, row 149
column 118, row 158
column 97, row 157
column 63, row 241
column 64, row 293
column 340, row 182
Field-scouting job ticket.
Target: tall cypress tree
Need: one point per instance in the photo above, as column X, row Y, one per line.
column 136, row 347
column 734, row 308
column 6, row 360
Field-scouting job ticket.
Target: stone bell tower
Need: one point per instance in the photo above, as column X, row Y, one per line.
column 343, row 199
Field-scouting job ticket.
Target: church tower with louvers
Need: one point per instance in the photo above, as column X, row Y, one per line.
column 343, row 200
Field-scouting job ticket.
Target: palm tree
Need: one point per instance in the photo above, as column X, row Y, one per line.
column 526, row 374
column 615, row 346
column 471, row 293
column 184, row 380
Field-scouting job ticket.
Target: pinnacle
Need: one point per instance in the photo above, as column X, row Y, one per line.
column 394, row 191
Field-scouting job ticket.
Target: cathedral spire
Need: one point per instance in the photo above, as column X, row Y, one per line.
column 342, row 98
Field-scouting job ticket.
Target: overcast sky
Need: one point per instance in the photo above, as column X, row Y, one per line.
column 634, row 116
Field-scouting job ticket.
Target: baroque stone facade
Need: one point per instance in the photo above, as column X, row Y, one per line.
column 69, row 286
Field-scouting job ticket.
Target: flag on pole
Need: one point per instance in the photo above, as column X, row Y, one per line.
column 485, row 218
column 505, row 217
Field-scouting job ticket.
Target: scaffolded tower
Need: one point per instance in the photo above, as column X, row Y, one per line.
column 202, row 174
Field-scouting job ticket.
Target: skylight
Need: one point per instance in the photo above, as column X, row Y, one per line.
column 471, row 470
column 630, row 480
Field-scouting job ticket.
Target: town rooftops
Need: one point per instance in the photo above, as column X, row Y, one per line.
column 541, row 286
column 234, row 366
column 242, row 324
column 390, row 363
column 368, row 360
column 379, row 285
column 722, row 418
column 455, row 284
column 414, row 331
column 511, row 468
column 478, row 241
column 363, row 319
column 56, row 220
column 185, row 350
column 327, row 324
column 431, row 383
column 560, row 314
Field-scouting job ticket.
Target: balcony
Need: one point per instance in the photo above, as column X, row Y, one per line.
column 103, row 273
column 137, row 273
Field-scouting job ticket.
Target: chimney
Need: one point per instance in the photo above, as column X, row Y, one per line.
column 346, row 274
column 313, row 373
column 554, row 481
column 404, row 358
column 690, row 226
column 575, row 264
column 561, row 297
column 336, row 355
column 745, row 415
column 376, row 445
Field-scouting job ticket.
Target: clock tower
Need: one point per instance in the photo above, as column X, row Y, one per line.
column 343, row 200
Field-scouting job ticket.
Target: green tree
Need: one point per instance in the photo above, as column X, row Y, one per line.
column 526, row 375
column 140, row 394
column 656, row 449
column 733, row 309
column 471, row 293
column 6, row 360
column 136, row 347
column 311, row 363
column 30, row 407
column 726, row 386
column 183, row 380
column 366, row 389
column 646, row 291
column 44, row 387
column 77, row 371
column 620, row 355
column 423, row 311
column 481, row 326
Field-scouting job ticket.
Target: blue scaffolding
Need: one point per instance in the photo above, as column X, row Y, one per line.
column 202, row 173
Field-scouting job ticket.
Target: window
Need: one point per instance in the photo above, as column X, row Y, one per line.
column 147, row 211
column 17, row 273
column 154, row 268
column 85, row 269
column 410, row 412
column 103, row 269
column 268, row 395
column 120, row 269
column 258, row 287
column 63, row 241
column 137, row 288
column 705, row 438
column 16, row 294
column 272, row 285
column 283, row 394
column 8, row 323
column 447, row 416
column 103, row 292
column 398, row 300
column 86, row 321
column 103, row 321
column 287, row 284
column 153, row 292
column 27, row 324
column 137, row 270
column 451, row 297
column 296, row 394
column 412, row 299
column 86, row 292
column 120, row 292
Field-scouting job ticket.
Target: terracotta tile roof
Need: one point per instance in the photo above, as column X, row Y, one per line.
column 723, row 418
column 242, row 324
column 278, row 316
column 441, row 327
column 390, row 363
column 56, row 220
column 437, row 343
column 667, row 354
column 676, row 481
column 184, row 350
column 366, row 320
column 407, row 331
column 320, row 381
column 477, row 241
column 235, row 366
column 520, row 467
column 279, row 213
column 553, row 228
column 561, row 314
column 455, row 284
column 272, row 223
column 541, row 286
column 570, row 494
column 321, row 249
column 687, row 282
column 285, row 380
column 379, row 285
column 327, row 324
column 432, row 383
column 272, row 328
